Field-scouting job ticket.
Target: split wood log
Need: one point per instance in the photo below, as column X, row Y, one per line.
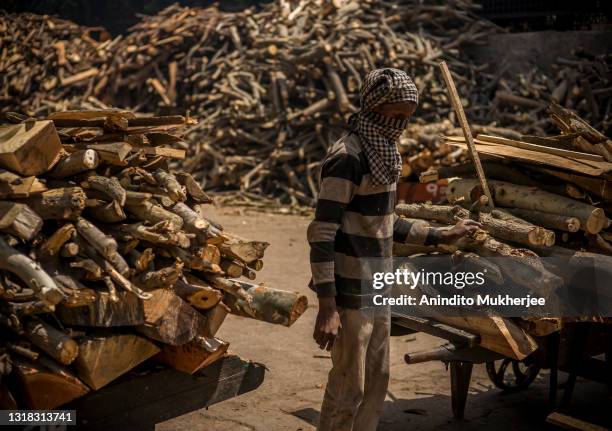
column 59, row 204
column 593, row 219
column 243, row 250
column 169, row 319
column 163, row 278
column 194, row 355
column 104, row 312
column 195, row 259
column 54, row 243
column 45, row 385
column 19, row 220
column 214, row 319
column 498, row 334
column 268, row 304
column 52, row 341
column 75, row 163
column 197, row 293
column 103, row 358
column 30, row 272
column 29, row 148
column 232, row 287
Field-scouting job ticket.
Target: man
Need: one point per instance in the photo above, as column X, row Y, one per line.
column 354, row 227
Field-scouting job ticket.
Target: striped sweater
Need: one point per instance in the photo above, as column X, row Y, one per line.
column 354, row 228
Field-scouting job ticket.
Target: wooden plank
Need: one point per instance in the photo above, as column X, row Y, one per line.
column 570, row 423
column 163, row 151
column 437, row 329
column 467, row 133
column 136, row 401
column 539, row 148
column 600, row 168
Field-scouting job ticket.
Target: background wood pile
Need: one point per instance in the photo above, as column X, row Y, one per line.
column 273, row 87
column 107, row 259
column 552, row 198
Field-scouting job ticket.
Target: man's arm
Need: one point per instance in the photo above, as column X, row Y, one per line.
column 340, row 177
column 406, row 231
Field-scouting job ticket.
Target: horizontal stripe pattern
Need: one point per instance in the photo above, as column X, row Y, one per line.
column 352, row 234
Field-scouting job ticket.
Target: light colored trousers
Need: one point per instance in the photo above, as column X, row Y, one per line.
column 358, row 381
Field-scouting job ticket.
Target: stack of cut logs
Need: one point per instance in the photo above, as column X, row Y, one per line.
column 550, row 195
column 108, row 260
column 47, row 64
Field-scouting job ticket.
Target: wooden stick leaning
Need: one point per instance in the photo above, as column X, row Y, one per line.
column 467, row 133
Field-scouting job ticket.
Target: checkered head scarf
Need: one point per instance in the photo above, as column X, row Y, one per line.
column 379, row 133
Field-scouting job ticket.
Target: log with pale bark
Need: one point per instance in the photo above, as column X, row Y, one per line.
column 509, row 195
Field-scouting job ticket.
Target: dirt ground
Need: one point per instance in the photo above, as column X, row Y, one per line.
column 290, row 396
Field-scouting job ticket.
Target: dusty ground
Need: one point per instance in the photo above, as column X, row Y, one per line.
column 290, row 397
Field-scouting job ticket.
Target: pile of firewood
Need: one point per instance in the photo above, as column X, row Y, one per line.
column 552, row 198
column 48, row 64
column 107, row 259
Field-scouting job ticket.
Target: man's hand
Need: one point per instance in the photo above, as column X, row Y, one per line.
column 461, row 229
column 328, row 323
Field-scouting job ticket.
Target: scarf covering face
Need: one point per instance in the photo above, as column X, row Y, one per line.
column 379, row 133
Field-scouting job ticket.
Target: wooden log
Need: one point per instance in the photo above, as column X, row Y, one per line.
column 104, row 312
column 214, row 319
column 192, row 221
column 506, row 229
column 103, row 358
column 70, row 249
column 103, row 244
column 163, row 278
column 197, row 293
column 531, row 198
column 196, row 259
column 169, row 319
column 153, row 213
column 194, row 355
column 54, row 243
column 519, row 233
column 498, row 334
column 243, row 250
column 168, row 181
column 231, row 268
column 29, row 148
column 52, row 341
column 551, row 221
column 75, row 163
column 110, row 186
column 59, row 204
column 19, row 220
column 30, row 272
column 46, row 385
column 270, row 305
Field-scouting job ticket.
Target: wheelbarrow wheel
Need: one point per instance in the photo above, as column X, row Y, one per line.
column 510, row 375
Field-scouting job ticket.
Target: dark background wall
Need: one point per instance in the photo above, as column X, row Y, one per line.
column 517, row 15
